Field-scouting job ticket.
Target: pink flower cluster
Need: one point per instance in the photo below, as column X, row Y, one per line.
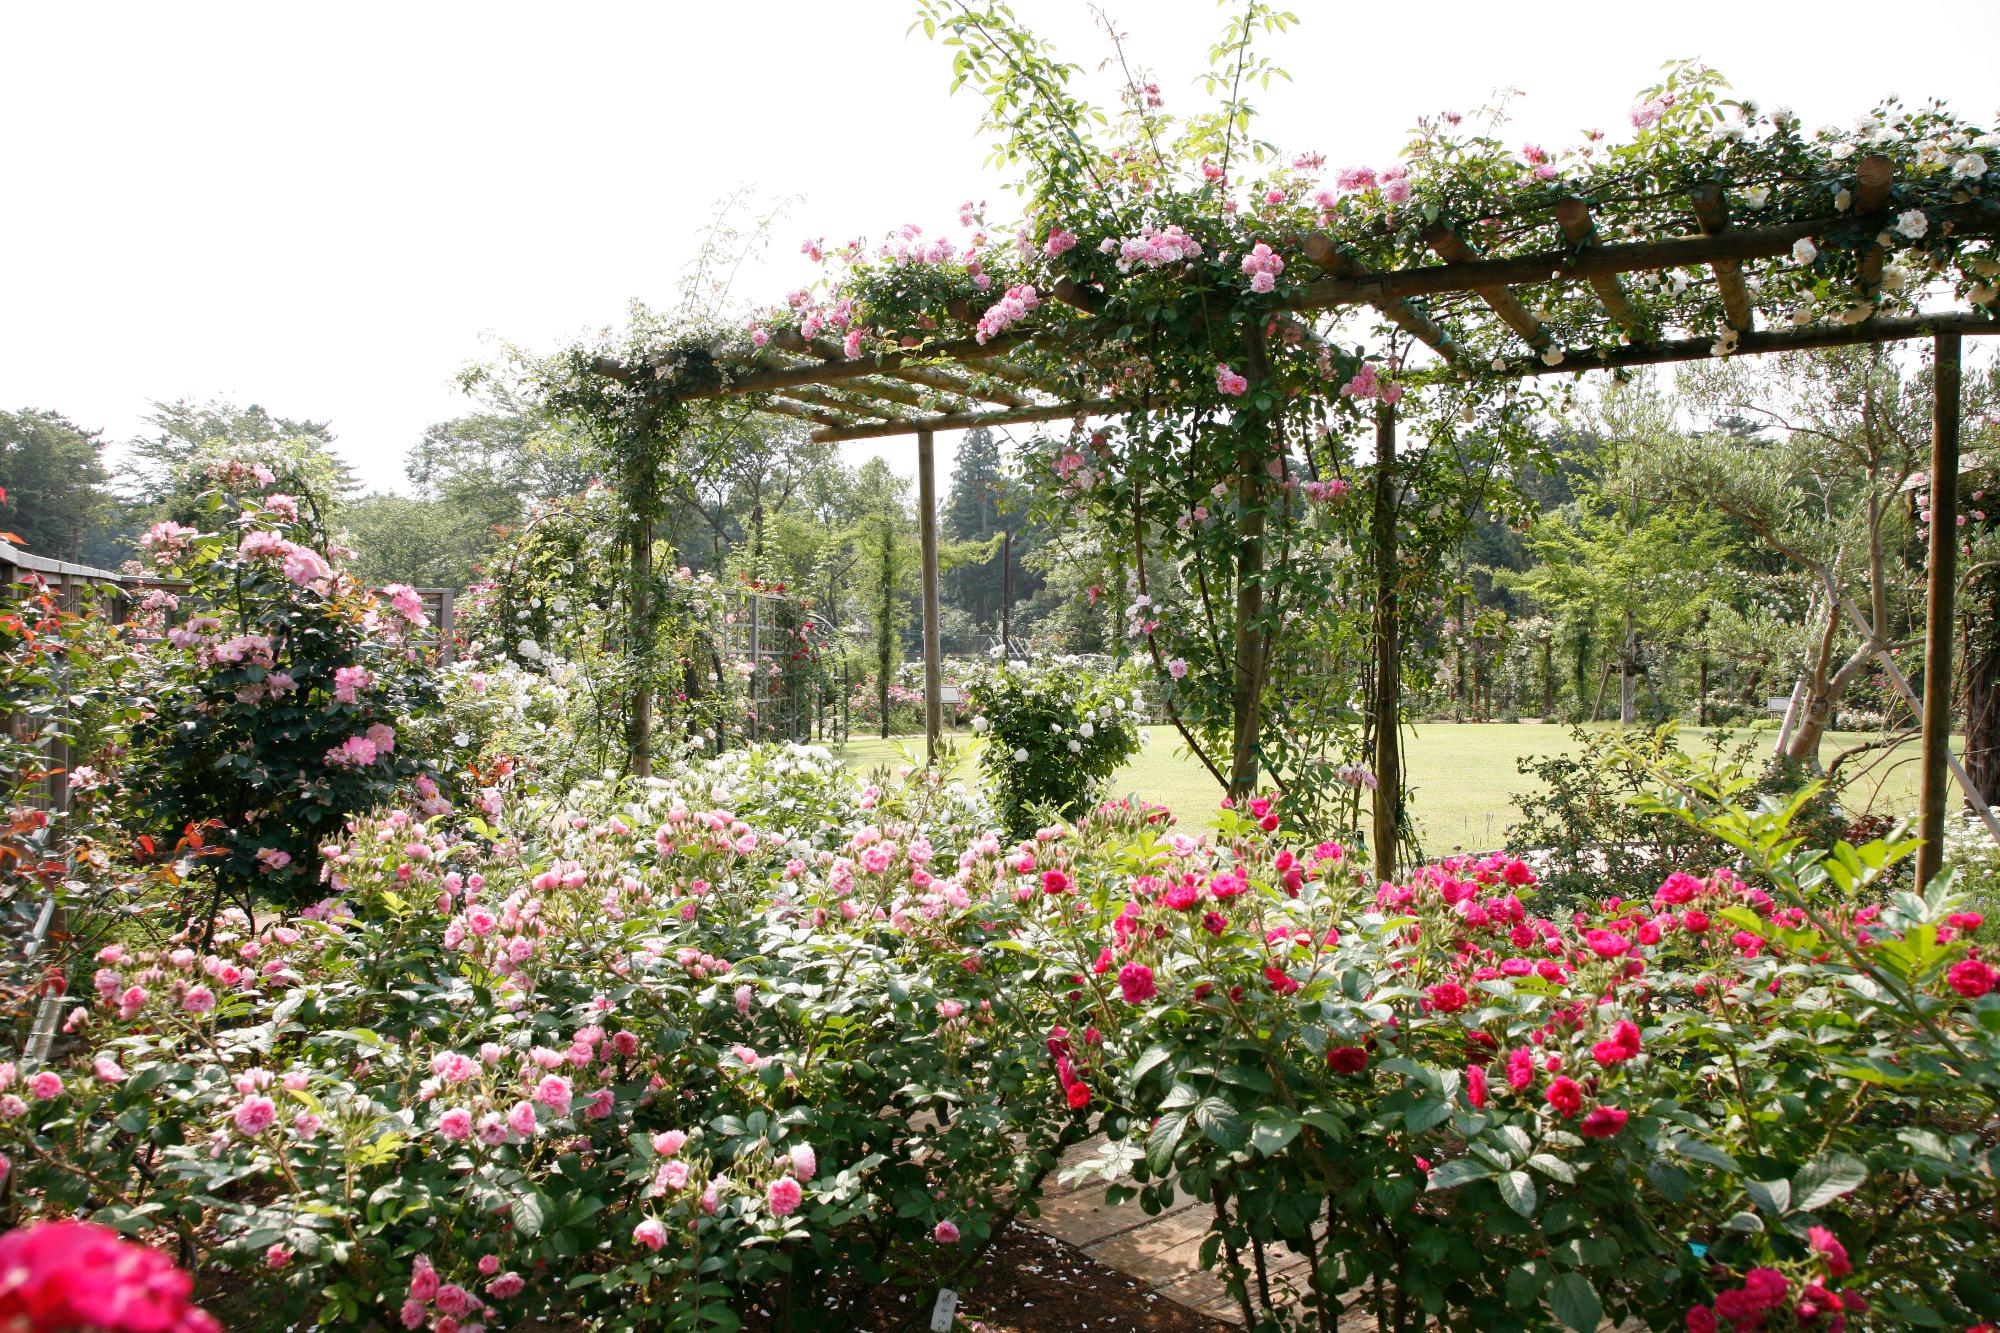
column 77, row 1275
column 1229, row 382
column 1007, row 311
column 1392, row 183
column 1263, row 265
column 1369, row 383
column 1152, row 248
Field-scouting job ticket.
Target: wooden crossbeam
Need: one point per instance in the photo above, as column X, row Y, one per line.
column 1454, row 249
column 1712, row 212
column 801, row 412
column 1873, row 175
column 929, row 376
column 834, row 400
column 1406, row 315
column 1577, row 226
column 1788, row 340
column 967, row 420
column 1975, row 217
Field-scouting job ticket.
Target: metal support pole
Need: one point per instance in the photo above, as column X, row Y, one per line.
column 927, row 536
column 1938, row 617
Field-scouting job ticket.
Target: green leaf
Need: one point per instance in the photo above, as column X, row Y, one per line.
column 1555, row 1168
column 1273, row 1130
column 1459, row 1171
column 1575, row 1302
column 1517, row 1188
column 1825, row 1178
column 1773, row 1196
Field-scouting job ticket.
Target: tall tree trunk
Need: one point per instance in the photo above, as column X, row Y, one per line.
column 1628, row 650
column 1548, row 678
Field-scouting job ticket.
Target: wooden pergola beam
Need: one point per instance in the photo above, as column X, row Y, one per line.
column 1406, row 315
column 1573, row 215
column 1454, row 249
column 1976, row 217
column 1788, row 340
column 929, row 376
column 1712, row 212
column 1873, row 176
column 1012, row 416
column 801, row 412
column 845, row 408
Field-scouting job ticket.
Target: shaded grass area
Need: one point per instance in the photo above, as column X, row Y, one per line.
column 1463, row 775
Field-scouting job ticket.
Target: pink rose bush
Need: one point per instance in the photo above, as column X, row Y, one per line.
column 524, row 1043
column 277, row 685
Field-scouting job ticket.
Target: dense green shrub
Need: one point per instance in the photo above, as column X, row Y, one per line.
column 1055, row 733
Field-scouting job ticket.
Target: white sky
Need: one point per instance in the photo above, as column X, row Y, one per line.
column 331, row 209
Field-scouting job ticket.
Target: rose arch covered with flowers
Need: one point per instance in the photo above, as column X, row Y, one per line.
column 1285, row 382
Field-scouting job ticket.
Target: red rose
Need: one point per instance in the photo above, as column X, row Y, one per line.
column 1565, row 1095
column 1972, row 978
column 1346, row 1059
column 1603, row 1122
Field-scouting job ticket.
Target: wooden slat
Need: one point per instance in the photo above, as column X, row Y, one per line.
column 1406, row 315
column 1712, row 212
column 1789, row 340
column 1573, row 215
column 1011, row 416
column 1453, row 248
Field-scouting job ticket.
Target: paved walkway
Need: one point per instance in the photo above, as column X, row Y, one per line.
column 1160, row 1251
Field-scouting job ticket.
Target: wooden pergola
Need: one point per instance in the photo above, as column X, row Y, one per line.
column 1460, row 302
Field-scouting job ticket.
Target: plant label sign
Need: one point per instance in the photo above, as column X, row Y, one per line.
column 944, row 1310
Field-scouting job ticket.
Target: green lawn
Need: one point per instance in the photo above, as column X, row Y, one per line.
column 1463, row 774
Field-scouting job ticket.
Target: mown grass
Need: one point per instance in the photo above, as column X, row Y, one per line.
column 1464, row 775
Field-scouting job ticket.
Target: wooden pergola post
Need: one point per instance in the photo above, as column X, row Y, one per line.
column 1938, row 618
column 638, row 655
column 927, row 538
column 1388, row 649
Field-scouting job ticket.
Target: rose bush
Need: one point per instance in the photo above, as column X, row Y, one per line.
column 1745, row 1102
column 276, row 684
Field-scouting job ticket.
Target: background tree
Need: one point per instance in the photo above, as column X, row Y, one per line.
column 53, row 473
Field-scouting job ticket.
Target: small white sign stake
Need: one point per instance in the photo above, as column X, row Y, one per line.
column 944, row 1310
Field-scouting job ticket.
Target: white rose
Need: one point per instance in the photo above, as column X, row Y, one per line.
column 1076, row 747
column 1841, row 152
column 1757, row 196
column 1804, row 251
column 1020, row 756
column 1843, row 200
column 1553, row 356
column 1970, row 167
column 1913, row 224
column 1086, row 731
column 981, row 725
